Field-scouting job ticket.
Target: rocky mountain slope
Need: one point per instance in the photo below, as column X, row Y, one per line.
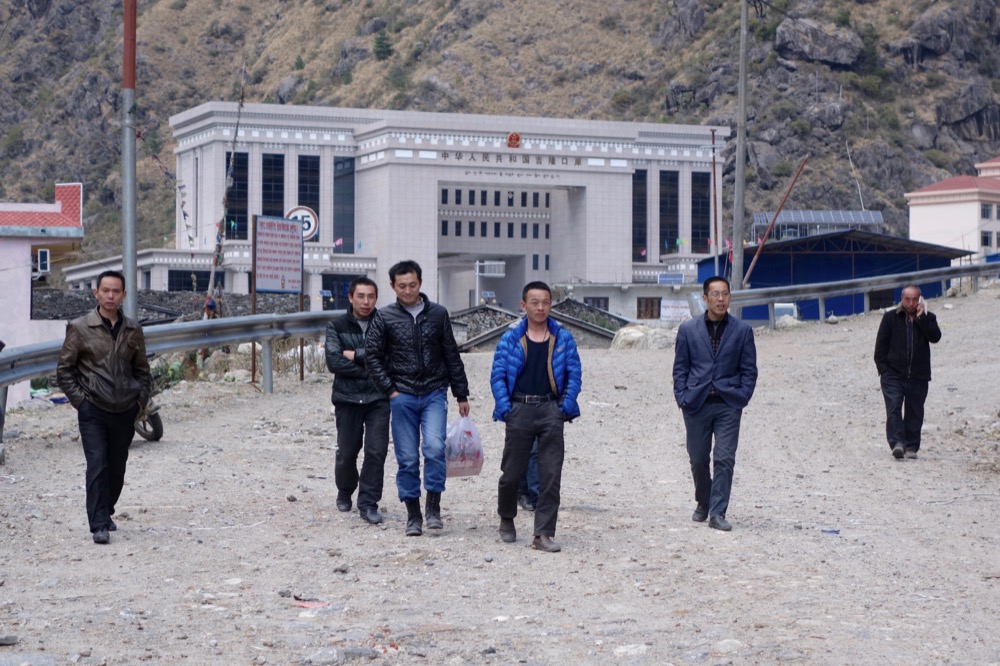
column 885, row 96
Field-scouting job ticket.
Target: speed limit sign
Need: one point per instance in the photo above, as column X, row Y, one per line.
column 310, row 222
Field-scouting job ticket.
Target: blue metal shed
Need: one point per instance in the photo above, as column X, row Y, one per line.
column 834, row 256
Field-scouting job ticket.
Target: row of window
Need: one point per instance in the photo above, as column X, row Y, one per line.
column 987, row 211
column 484, row 228
column 484, row 199
column 272, row 187
column 669, row 205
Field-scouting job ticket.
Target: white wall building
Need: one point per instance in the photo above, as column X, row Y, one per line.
column 961, row 212
column 572, row 202
column 32, row 237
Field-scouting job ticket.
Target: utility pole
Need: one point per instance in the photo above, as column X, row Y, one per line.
column 739, row 213
column 128, row 163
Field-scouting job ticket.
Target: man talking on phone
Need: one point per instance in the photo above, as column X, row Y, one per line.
column 903, row 359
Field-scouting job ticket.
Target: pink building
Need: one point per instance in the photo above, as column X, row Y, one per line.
column 32, row 236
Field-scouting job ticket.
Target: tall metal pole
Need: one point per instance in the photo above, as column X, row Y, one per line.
column 715, row 206
column 739, row 213
column 128, row 163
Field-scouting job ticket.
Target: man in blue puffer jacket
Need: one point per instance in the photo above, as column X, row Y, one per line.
column 536, row 379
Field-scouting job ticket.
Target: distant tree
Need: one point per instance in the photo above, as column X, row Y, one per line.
column 383, row 48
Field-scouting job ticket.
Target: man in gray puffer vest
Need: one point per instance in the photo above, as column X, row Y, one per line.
column 361, row 410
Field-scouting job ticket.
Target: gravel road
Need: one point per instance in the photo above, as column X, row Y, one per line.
column 230, row 549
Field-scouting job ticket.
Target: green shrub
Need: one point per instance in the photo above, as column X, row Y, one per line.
column 938, row 158
column 383, row 47
column 889, row 118
column 610, row 21
column 622, row 100
column 178, row 5
column 399, row 77
column 843, row 18
column 935, row 80
column 782, row 169
column 800, row 127
column 299, row 62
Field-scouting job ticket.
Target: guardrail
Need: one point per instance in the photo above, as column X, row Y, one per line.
column 40, row 359
column 820, row 291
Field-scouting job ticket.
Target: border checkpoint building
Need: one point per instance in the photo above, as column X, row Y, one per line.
column 483, row 203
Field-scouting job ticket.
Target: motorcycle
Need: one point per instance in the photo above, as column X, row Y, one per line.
column 148, row 423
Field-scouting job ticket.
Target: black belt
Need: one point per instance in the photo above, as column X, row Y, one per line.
column 532, row 399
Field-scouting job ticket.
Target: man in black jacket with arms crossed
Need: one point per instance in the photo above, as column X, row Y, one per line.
column 361, row 410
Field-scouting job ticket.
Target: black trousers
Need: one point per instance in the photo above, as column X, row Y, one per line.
column 524, row 424
column 904, row 409
column 106, row 437
column 361, row 426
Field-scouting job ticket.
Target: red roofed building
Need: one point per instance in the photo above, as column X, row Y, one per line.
column 961, row 212
column 32, row 237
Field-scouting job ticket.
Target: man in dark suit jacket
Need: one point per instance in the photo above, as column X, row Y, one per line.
column 715, row 372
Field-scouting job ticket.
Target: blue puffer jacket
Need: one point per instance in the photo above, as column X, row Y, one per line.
column 565, row 371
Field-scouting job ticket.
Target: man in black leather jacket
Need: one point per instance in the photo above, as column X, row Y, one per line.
column 903, row 359
column 361, row 410
column 412, row 357
column 104, row 372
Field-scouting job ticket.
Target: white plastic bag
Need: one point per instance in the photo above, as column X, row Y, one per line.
column 463, row 449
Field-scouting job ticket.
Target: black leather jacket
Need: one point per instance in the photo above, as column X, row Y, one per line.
column 113, row 374
column 352, row 384
column 414, row 357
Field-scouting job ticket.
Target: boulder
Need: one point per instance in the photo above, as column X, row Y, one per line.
column 816, row 41
column 286, row 88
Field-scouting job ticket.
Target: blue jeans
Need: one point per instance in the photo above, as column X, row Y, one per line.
column 719, row 419
column 416, row 417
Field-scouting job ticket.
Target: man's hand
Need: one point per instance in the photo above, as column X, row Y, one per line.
column 393, row 394
column 463, row 408
column 349, row 354
column 921, row 307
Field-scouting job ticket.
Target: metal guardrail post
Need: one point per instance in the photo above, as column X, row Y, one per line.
column 822, row 308
column 770, row 316
column 975, row 284
column 868, row 302
column 3, row 410
column 267, row 365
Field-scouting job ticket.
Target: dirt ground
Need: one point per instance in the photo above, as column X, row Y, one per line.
column 230, row 549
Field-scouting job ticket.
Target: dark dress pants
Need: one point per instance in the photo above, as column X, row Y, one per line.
column 360, row 426
column 525, row 423
column 106, row 437
column 712, row 489
column 904, row 409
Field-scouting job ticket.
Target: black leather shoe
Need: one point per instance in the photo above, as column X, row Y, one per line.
column 719, row 523
column 101, row 536
column 898, row 451
column 343, row 505
column 370, row 515
column 507, row 532
column 111, row 526
column 525, row 503
column 545, row 543
column 700, row 514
